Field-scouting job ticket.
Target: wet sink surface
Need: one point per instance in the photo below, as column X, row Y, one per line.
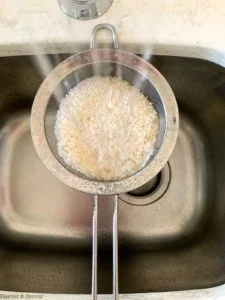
column 170, row 239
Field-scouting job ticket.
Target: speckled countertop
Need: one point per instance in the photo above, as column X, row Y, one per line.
column 193, row 28
column 177, row 27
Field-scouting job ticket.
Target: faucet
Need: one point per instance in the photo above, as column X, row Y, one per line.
column 85, row 9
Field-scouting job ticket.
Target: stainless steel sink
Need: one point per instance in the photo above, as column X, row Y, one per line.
column 171, row 231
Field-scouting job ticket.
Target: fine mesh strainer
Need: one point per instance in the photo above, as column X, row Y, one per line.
column 103, row 62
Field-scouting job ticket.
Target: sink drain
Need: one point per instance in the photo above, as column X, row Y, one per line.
column 151, row 191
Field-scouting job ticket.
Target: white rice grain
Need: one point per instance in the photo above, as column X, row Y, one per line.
column 106, row 128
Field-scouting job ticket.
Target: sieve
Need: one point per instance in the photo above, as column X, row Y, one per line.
column 103, row 62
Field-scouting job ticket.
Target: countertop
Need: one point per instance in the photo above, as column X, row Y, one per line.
column 207, row 294
column 192, row 28
column 169, row 27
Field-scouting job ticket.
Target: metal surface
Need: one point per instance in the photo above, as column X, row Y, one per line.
column 85, row 9
column 175, row 243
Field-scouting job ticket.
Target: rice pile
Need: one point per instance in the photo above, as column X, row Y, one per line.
column 106, row 128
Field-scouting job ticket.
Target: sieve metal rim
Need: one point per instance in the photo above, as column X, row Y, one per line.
column 96, row 56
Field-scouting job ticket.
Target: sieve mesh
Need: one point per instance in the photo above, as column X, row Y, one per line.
column 101, row 69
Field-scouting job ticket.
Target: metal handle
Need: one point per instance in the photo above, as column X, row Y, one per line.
column 95, row 249
column 94, row 289
column 115, row 250
column 100, row 27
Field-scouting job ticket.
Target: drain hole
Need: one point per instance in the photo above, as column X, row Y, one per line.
column 148, row 188
column 151, row 191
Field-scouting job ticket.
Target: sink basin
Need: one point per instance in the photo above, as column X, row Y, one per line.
column 171, row 231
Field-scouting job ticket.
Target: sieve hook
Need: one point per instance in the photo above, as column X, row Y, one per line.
column 100, row 27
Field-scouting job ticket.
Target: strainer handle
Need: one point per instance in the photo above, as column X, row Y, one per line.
column 95, row 249
column 100, row 27
column 115, row 249
column 94, row 287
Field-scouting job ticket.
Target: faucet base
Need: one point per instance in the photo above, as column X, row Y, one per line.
column 85, row 9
